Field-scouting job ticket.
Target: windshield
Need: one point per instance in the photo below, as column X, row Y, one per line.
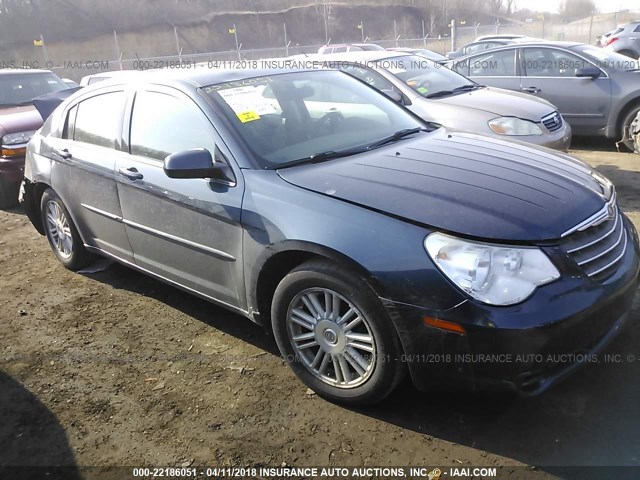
column 608, row 59
column 288, row 117
column 425, row 76
column 21, row 88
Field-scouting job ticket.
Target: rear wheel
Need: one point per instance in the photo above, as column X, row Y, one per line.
column 62, row 234
column 626, row 127
column 333, row 332
column 8, row 193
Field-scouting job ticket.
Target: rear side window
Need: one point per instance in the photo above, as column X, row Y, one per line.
column 162, row 124
column 99, row 119
column 494, row 64
column 637, row 29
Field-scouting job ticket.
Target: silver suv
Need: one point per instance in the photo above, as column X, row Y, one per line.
column 624, row 40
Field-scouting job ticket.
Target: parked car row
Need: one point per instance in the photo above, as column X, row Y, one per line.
column 595, row 90
column 442, row 96
column 371, row 242
column 18, row 122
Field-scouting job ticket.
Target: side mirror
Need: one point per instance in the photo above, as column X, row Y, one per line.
column 197, row 163
column 592, row 72
column 394, row 95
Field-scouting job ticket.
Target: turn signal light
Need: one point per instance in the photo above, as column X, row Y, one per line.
column 14, row 152
column 444, row 325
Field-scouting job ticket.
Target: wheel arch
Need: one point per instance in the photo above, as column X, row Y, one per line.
column 624, row 111
column 281, row 259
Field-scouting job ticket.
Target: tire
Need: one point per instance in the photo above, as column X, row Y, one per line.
column 8, row 193
column 330, row 367
column 62, row 234
column 626, row 127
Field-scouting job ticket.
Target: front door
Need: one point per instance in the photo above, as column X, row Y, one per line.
column 551, row 74
column 185, row 230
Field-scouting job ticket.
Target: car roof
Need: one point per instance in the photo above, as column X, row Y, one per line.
column 366, row 56
column 540, row 43
column 505, row 36
column 195, row 78
column 12, row 71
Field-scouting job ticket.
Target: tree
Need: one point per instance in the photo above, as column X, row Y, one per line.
column 577, row 8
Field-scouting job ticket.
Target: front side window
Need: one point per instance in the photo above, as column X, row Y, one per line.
column 548, row 62
column 99, row 119
column 291, row 116
column 162, row 124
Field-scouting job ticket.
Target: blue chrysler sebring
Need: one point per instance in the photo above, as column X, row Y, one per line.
column 369, row 242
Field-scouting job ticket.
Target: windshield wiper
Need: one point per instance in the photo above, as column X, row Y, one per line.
column 319, row 157
column 396, row 136
column 463, row 88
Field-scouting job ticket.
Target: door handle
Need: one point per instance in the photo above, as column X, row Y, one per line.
column 62, row 153
column 131, row 173
column 531, row 89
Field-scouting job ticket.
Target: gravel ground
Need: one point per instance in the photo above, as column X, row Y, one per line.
column 115, row 368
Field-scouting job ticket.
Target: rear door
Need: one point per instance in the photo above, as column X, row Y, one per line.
column 185, row 230
column 550, row 73
column 83, row 174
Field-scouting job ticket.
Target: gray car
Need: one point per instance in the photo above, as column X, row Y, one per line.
column 624, row 40
column 441, row 96
column 487, row 43
column 597, row 91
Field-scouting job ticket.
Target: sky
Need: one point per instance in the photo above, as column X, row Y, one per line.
column 604, row 6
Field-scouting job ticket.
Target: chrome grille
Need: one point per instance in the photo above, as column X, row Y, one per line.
column 553, row 121
column 597, row 248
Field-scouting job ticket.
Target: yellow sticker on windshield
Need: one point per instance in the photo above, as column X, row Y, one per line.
column 249, row 116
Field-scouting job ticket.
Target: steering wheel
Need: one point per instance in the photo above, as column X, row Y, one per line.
column 331, row 120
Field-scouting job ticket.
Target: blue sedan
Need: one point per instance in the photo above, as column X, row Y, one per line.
column 369, row 242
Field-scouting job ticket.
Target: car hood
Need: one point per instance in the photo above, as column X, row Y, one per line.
column 502, row 102
column 463, row 183
column 19, row 119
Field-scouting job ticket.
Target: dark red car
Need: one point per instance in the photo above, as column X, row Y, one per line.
column 19, row 120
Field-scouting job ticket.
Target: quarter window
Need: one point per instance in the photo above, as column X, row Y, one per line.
column 162, row 124
column 99, row 119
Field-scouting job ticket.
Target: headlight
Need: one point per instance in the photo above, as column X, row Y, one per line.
column 18, row 138
column 493, row 274
column 514, row 126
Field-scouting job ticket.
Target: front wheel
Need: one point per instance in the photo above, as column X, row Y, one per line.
column 626, row 127
column 62, row 234
column 333, row 332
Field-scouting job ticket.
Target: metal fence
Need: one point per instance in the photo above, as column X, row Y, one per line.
column 585, row 30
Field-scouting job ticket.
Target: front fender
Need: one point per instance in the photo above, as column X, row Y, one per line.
column 387, row 251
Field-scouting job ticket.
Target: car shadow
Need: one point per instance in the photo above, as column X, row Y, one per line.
column 33, row 443
column 589, row 419
column 124, row 278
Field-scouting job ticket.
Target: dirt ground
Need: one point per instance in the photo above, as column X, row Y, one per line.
column 115, row 368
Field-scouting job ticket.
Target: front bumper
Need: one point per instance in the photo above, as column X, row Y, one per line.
column 12, row 169
column 526, row 347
